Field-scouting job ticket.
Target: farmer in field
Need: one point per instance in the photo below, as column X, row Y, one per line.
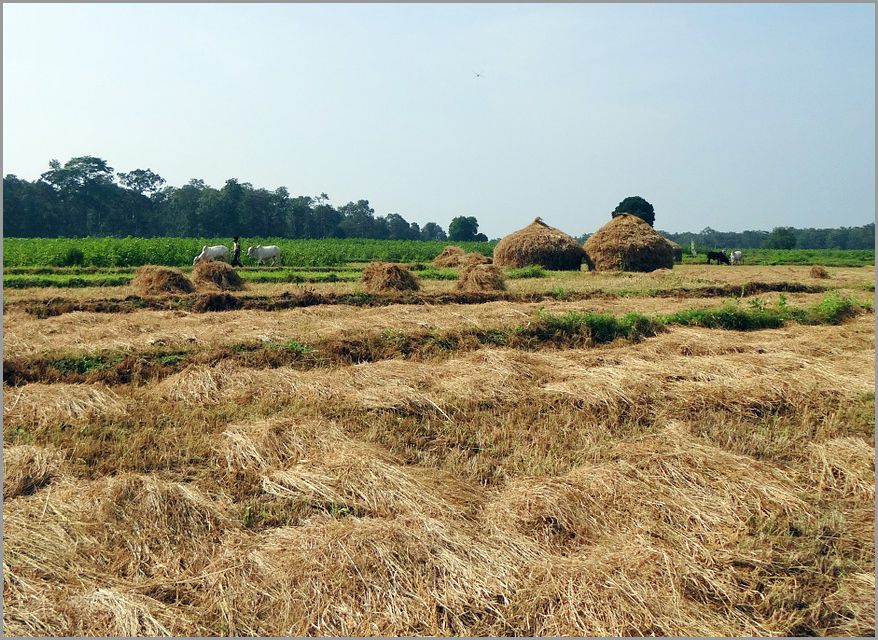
column 236, row 252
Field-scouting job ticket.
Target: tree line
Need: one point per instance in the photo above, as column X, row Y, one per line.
column 84, row 197
column 782, row 238
column 778, row 238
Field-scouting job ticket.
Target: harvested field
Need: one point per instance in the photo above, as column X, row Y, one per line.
column 488, row 468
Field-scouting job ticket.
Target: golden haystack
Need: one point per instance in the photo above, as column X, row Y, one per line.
column 452, row 256
column 628, row 243
column 481, row 277
column 818, row 271
column 539, row 244
column 385, row 276
column 152, row 280
column 216, row 275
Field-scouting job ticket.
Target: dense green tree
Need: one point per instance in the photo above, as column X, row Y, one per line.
column 781, row 238
column 141, row 181
column 463, row 229
column 636, row 206
column 433, row 231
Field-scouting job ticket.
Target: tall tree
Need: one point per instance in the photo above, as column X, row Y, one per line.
column 463, row 229
column 636, row 206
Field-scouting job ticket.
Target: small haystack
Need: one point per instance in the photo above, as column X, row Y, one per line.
column 539, row 244
column 152, row 280
column 818, row 271
column 216, row 275
column 452, row 256
column 385, row 276
column 481, row 277
column 627, row 243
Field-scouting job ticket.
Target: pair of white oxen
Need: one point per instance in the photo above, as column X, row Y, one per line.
column 221, row 252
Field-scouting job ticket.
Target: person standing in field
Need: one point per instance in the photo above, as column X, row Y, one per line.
column 236, row 253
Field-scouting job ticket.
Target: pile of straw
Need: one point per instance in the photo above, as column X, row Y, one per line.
column 152, row 280
column 539, row 244
column 818, row 271
column 481, row 277
column 217, row 275
column 385, row 276
column 627, row 243
column 452, row 256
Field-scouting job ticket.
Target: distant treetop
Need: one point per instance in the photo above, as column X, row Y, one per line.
column 636, row 206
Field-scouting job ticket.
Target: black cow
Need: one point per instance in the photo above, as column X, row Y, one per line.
column 719, row 256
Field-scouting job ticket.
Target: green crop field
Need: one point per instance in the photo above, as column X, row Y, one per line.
column 133, row 252
column 99, row 254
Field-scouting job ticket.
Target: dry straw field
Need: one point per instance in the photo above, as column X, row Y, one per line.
column 331, row 462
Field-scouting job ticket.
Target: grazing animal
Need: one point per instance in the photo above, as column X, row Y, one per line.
column 261, row 254
column 719, row 256
column 737, row 257
column 216, row 252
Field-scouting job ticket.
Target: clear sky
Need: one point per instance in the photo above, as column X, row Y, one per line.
column 728, row 116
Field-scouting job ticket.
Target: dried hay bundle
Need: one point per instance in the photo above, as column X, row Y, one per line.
column 216, row 275
column 274, row 444
column 42, row 405
column 153, row 280
column 402, row 576
column 692, row 495
column 628, row 243
column 115, row 613
column 818, row 271
column 539, row 244
column 843, row 466
column 631, row 586
column 452, row 256
column 856, row 613
column 150, row 526
column 481, row 277
column 386, row 276
column 26, row 469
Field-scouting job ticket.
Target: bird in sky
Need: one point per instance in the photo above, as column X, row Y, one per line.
column 478, row 75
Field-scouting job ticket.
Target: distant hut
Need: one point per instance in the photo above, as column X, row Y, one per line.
column 539, row 244
column 628, row 243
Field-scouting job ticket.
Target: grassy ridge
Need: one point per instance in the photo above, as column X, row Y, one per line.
column 561, row 330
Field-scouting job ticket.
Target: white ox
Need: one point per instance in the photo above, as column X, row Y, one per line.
column 216, row 252
column 737, row 257
column 261, row 254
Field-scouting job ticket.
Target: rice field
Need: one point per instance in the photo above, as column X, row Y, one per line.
column 688, row 452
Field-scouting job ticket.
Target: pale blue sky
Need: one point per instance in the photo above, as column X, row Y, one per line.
column 729, row 116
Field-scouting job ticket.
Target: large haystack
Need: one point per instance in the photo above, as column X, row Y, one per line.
column 481, row 277
column 627, row 243
column 216, row 275
column 152, row 280
column 539, row 244
column 452, row 256
column 385, row 276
